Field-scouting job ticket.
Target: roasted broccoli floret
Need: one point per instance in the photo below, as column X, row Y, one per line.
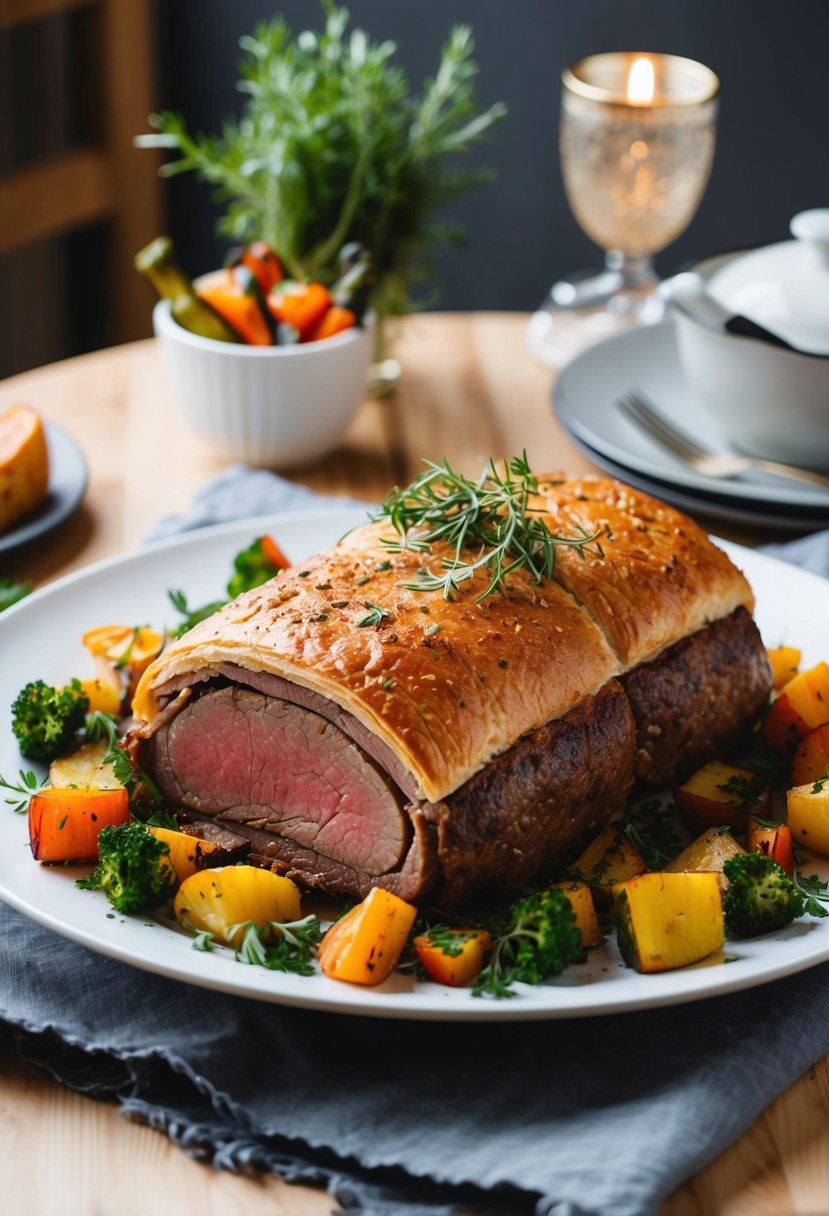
column 251, row 568
column 133, row 870
column 760, row 897
column 45, row 720
column 536, row 940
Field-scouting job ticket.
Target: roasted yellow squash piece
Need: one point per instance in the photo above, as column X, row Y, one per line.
column 665, row 921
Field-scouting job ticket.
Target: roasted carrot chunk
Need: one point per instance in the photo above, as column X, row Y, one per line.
column 274, row 554
column 334, row 321
column 364, row 946
column 783, row 727
column 238, row 303
column 300, row 305
column 773, row 839
column 64, row 824
column 456, row 958
column 263, row 263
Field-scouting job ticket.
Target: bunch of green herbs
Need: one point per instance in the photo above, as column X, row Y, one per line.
column 332, row 146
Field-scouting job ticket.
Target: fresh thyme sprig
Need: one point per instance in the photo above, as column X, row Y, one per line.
column 294, row 950
column 489, row 523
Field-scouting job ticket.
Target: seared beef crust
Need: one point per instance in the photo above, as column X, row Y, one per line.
column 698, row 699
column 534, row 806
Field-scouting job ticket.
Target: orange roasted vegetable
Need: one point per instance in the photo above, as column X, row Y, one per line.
column 364, row 946
column 335, row 321
column 783, row 727
column 456, row 958
column 187, row 853
column 24, row 463
column 784, row 661
column 237, row 299
column 104, row 695
column 300, row 305
column 122, row 653
column 64, row 824
column 719, row 794
column 263, row 264
column 808, row 693
column 811, row 760
column 773, row 839
column 272, row 553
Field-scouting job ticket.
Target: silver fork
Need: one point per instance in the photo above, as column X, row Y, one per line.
column 711, row 464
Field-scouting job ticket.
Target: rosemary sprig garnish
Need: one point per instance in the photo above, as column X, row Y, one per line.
column 489, row 523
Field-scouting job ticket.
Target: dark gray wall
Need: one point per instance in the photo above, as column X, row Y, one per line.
column 772, row 157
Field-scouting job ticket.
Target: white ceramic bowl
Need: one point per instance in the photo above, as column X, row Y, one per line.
column 277, row 406
column 773, row 402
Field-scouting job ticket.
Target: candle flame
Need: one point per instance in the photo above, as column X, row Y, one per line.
column 640, row 82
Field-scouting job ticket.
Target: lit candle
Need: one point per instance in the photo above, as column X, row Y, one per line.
column 637, row 142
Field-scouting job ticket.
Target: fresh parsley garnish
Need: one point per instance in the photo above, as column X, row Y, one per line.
column 653, row 829
column 815, row 893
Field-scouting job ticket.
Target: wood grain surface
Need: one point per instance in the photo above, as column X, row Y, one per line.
column 469, row 390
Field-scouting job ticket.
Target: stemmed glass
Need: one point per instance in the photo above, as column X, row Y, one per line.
column 636, row 141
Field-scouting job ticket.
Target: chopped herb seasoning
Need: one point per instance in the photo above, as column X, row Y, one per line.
column 432, row 630
column 323, row 587
column 321, row 616
column 387, row 684
column 374, row 617
column 361, row 582
column 383, row 566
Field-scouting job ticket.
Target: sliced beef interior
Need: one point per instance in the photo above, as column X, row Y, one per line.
column 256, row 760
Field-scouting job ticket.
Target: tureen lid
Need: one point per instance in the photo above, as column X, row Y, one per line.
column 784, row 287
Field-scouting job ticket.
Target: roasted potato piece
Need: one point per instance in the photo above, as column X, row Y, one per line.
column 223, row 901
column 24, row 463
column 808, row 815
column 609, row 859
column 187, row 853
column 84, row 767
column 719, row 794
column 665, row 921
column 584, row 910
column 708, row 852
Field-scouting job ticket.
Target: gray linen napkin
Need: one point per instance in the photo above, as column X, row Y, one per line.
column 594, row 1117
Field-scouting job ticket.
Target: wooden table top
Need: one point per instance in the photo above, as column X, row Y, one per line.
column 469, row 390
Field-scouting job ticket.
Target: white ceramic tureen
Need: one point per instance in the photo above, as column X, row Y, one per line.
column 753, row 336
